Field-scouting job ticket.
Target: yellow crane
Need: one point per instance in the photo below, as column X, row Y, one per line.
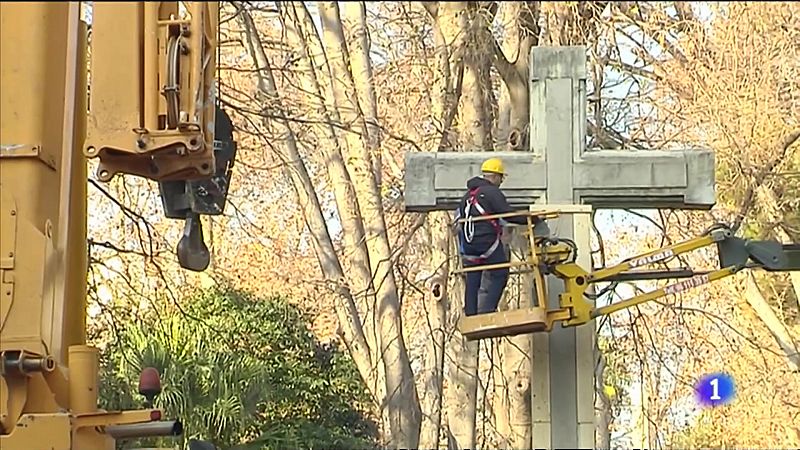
column 143, row 106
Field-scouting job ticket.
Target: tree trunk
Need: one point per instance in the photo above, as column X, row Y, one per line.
column 447, row 82
column 402, row 402
column 300, row 28
column 772, row 212
column 476, row 109
column 512, row 61
column 508, row 13
column 770, row 320
column 355, row 24
column 462, row 389
column 347, row 312
column 602, row 405
column 450, row 34
column 516, row 360
column 436, row 312
column 449, row 27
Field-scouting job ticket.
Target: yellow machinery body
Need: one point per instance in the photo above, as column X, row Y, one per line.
column 149, row 112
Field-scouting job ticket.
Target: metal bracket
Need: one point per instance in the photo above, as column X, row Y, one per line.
column 26, row 151
column 771, row 256
column 206, row 196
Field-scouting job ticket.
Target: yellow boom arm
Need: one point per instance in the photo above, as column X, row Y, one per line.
column 145, row 107
column 557, row 257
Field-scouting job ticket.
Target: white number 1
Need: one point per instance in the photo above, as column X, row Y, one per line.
column 715, row 385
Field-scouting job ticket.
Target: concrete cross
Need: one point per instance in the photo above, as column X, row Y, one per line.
column 558, row 170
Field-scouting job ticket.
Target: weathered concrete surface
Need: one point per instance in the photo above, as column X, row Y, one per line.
column 559, row 170
column 602, row 178
column 436, row 181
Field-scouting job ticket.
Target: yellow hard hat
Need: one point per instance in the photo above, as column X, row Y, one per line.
column 493, row 165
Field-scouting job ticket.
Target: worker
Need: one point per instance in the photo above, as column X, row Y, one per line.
column 480, row 241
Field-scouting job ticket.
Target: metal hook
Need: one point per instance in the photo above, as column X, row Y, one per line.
column 192, row 251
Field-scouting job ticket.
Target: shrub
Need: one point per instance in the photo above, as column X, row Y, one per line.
column 240, row 371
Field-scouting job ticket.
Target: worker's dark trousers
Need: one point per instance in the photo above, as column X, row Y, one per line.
column 494, row 282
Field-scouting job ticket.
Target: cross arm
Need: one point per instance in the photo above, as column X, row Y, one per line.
column 436, row 181
column 647, row 179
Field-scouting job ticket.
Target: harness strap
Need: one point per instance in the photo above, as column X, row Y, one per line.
column 481, row 258
column 469, row 231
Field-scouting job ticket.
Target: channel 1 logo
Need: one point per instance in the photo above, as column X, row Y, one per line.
column 715, row 389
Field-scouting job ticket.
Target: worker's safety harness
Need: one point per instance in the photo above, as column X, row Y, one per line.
column 467, row 229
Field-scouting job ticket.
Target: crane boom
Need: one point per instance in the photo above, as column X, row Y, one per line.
column 144, row 107
column 556, row 256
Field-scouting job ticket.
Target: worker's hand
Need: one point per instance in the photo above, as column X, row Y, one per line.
column 541, row 229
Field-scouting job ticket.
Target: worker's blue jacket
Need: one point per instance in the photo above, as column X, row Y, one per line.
column 482, row 236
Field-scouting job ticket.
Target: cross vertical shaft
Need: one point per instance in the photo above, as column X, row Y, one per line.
column 562, row 388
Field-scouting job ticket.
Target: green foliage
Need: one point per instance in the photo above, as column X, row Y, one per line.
column 236, row 370
column 617, row 374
